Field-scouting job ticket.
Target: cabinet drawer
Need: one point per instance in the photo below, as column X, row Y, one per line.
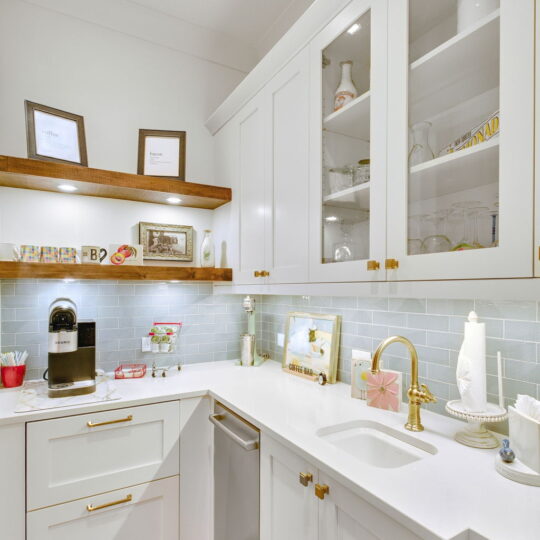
column 143, row 511
column 78, row 456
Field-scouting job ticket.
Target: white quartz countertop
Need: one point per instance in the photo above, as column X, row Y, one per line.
column 447, row 495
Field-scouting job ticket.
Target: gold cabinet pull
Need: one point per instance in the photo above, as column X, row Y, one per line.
column 257, row 273
column 265, row 273
column 305, row 478
column 321, row 490
column 373, row 265
column 391, row 264
column 119, row 421
column 92, row 508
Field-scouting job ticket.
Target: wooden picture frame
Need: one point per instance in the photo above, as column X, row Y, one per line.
column 55, row 135
column 169, row 151
column 162, row 242
column 312, row 345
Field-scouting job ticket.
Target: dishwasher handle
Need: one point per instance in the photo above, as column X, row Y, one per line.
column 246, row 445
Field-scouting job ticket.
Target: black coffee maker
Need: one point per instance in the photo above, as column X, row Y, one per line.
column 72, row 351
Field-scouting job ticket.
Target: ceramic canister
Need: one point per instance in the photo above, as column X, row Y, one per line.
column 29, row 253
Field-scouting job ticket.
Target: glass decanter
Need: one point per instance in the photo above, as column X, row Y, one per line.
column 420, row 149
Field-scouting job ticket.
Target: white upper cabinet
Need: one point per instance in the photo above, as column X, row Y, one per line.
column 272, row 131
column 460, row 139
column 250, row 189
column 348, row 145
column 287, row 172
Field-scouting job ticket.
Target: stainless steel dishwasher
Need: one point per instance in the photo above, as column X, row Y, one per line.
column 236, row 476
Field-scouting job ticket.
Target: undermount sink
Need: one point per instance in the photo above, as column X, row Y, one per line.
column 376, row 444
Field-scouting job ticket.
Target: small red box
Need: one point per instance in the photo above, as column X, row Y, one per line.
column 130, row 371
column 12, row 376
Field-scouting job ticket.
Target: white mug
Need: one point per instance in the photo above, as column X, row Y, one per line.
column 470, row 11
column 9, row 252
column 93, row 254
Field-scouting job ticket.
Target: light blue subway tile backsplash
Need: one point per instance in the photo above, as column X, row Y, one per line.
column 124, row 312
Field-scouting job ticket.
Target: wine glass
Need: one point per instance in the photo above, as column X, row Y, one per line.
column 468, row 212
column 415, row 244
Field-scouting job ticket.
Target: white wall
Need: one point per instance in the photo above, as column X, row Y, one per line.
column 119, row 83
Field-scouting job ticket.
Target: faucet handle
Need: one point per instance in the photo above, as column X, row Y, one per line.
column 428, row 396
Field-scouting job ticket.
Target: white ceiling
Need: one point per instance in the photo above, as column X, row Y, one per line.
column 249, row 21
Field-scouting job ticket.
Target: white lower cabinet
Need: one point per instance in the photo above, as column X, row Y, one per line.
column 288, row 507
column 291, row 510
column 147, row 511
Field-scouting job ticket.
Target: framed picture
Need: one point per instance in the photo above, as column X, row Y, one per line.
column 312, row 345
column 55, row 135
column 166, row 242
column 162, row 153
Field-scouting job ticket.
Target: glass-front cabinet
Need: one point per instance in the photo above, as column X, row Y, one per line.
column 348, row 145
column 460, row 139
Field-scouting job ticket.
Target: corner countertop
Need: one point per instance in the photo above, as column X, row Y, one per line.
column 452, row 494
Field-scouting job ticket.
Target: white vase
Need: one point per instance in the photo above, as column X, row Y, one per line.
column 346, row 91
column 470, row 11
column 207, row 250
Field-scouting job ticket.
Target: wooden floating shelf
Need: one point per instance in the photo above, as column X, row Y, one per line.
column 46, row 176
column 17, row 270
column 462, row 170
column 463, row 67
column 355, row 198
column 351, row 120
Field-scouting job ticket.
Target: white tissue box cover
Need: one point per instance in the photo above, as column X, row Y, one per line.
column 525, row 438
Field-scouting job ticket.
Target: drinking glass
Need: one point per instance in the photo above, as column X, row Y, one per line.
column 469, row 212
column 437, row 242
column 415, row 244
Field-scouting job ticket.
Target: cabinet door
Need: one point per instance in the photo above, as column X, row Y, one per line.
column 537, row 151
column 143, row 511
column 288, row 508
column 345, row 515
column 287, row 171
column 77, row 456
column 251, row 192
column 460, row 147
column 348, row 146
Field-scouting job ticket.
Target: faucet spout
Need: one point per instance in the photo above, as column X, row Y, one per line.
column 417, row 394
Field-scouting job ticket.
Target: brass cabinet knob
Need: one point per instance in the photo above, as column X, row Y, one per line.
column 391, row 264
column 258, row 273
column 265, row 273
column 321, row 490
column 305, row 478
column 373, row 265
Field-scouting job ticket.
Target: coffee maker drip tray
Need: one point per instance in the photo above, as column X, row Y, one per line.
column 72, row 388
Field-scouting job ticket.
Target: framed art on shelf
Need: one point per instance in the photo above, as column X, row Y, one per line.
column 312, row 345
column 162, row 153
column 55, row 135
column 163, row 242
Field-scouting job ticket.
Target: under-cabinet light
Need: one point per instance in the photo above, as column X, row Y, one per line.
column 331, row 218
column 67, row 187
column 174, row 200
column 354, row 28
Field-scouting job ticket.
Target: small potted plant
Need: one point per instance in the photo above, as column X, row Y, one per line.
column 154, row 343
column 164, row 343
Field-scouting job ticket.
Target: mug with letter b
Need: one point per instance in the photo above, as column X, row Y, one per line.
column 93, row 254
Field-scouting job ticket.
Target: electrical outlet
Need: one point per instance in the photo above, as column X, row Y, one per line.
column 360, row 355
column 280, row 339
column 145, row 344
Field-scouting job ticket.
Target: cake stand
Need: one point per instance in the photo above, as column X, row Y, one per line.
column 476, row 434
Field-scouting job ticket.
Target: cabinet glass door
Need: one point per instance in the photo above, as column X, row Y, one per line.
column 460, row 139
column 349, row 141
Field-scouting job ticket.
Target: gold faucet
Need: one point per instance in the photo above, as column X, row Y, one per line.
column 417, row 394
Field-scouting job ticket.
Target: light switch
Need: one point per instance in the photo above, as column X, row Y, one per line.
column 280, row 338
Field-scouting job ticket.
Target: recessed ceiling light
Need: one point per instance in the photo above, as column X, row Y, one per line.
column 331, row 218
column 67, row 187
column 354, row 28
column 174, row 200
